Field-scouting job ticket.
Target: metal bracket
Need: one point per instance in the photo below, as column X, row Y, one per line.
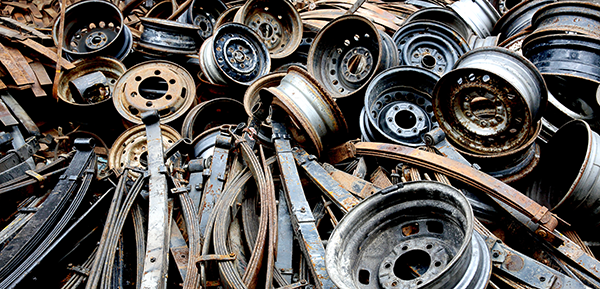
column 216, row 258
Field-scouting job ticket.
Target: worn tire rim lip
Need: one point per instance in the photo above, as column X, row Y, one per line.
column 427, row 203
column 252, row 96
column 583, row 46
column 515, row 163
column 393, row 97
column 175, row 102
column 364, row 56
column 429, row 45
column 112, row 69
column 234, row 55
column 131, row 145
column 575, row 16
column 518, row 18
column 164, row 37
column 97, row 41
column 480, row 15
column 462, row 106
column 442, row 16
column 218, row 105
column 278, row 25
column 315, row 114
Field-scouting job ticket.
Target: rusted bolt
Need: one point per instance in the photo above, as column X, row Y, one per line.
column 303, row 209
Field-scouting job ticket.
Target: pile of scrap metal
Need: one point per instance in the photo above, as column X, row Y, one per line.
column 303, row 144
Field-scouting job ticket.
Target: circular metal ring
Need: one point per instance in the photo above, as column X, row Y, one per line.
column 417, row 236
column 510, row 166
column 564, row 54
column 204, row 14
column 154, row 85
column 234, row 55
column 100, row 33
column 572, row 190
column 204, row 143
column 344, row 60
column 164, row 37
column 316, row 118
column 227, row 16
column 111, row 68
column 564, row 105
column 518, row 18
column 430, row 45
column 130, row 148
column 515, row 42
column 398, row 105
column 480, row 15
column 161, row 10
column 252, row 94
column 444, row 16
column 491, row 100
column 573, row 16
column 214, row 112
column 277, row 23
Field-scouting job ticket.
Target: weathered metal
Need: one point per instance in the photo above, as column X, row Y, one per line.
column 398, row 106
column 480, row 15
column 345, row 60
column 130, row 149
column 574, row 191
column 167, row 38
column 518, row 18
column 234, row 55
column 204, row 14
column 562, row 54
column 442, row 15
column 154, row 85
column 210, row 114
column 101, row 33
column 490, row 106
column 409, row 235
column 573, row 16
column 303, row 220
column 156, row 261
column 317, row 119
column 430, row 45
column 278, row 25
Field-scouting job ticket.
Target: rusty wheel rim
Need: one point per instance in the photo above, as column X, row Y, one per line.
column 154, row 85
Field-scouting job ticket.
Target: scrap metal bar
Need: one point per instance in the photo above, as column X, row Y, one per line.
column 156, row 262
column 528, row 270
column 302, row 217
column 214, row 184
column 285, row 239
column 479, row 180
column 179, row 250
column 332, row 189
column 20, row 113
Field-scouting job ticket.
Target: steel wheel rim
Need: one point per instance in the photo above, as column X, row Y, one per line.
column 480, row 15
column 278, row 25
column 112, row 69
column 205, row 17
column 163, row 37
column 344, row 64
column 311, row 109
column 429, row 45
column 488, row 81
column 178, row 96
column 227, row 108
column 399, row 109
column 129, row 148
column 382, row 214
column 223, row 64
column 99, row 37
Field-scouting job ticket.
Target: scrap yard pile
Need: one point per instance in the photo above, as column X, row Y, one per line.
column 299, row 144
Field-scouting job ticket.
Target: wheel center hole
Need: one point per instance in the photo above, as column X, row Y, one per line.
column 405, row 119
column 266, row 30
column 153, row 88
column 483, row 108
column 428, row 61
column 96, row 40
column 357, row 64
column 412, row 265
